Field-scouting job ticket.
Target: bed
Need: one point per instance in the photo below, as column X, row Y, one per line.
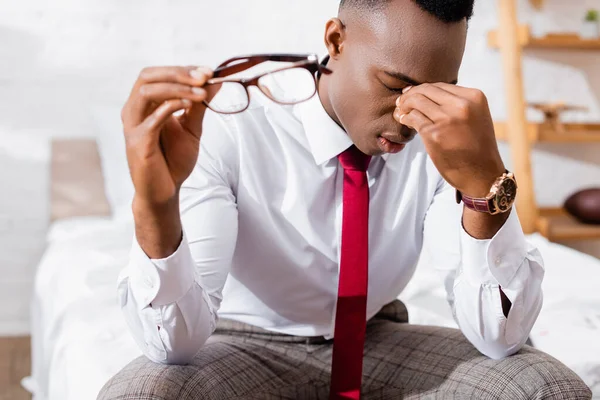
column 80, row 339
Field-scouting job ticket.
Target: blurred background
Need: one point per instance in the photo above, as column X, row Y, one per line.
column 67, row 66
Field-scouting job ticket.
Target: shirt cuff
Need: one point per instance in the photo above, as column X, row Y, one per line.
column 161, row 281
column 496, row 260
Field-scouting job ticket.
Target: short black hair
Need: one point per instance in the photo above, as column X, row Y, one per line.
column 444, row 10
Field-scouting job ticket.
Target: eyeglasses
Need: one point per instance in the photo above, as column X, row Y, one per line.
column 294, row 83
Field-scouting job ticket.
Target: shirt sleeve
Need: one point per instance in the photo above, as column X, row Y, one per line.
column 171, row 304
column 475, row 270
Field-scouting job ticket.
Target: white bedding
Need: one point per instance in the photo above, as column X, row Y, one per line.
column 80, row 338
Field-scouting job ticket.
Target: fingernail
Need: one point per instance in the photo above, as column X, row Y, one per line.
column 406, row 89
column 398, row 116
column 207, row 70
column 201, row 73
column 197, row 90
column 398, row 102
column 187, row 102
column 196, row 74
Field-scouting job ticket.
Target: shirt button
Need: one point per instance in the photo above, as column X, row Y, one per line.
column 498, row 260
column 148, row 282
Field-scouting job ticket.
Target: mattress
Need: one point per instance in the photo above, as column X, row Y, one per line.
column 79, row 336
column 80, row 339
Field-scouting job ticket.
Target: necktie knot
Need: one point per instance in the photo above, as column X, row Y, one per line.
column 354, row 159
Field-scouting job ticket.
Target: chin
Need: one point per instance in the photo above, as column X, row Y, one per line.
column 370, row 148
column 376, row 152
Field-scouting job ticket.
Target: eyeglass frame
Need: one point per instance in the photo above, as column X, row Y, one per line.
column 310, row 62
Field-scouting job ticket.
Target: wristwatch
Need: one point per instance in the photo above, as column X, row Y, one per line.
column 499, row 200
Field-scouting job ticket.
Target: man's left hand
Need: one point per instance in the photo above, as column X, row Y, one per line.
column 458, row 132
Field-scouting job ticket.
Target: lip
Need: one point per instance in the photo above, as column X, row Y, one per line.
column 395, row 139
column 387, row 146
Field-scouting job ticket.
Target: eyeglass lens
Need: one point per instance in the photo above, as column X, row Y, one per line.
column 286, row 86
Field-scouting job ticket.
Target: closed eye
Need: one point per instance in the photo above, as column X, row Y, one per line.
column 395, row 90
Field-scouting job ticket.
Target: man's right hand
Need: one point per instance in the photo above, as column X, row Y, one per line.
column 162, row 149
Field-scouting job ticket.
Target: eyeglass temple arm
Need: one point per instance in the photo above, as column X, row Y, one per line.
column 321, row 69
column 267, row 57
column 224, row 69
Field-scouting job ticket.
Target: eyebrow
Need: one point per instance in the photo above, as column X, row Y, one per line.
column 409, row 80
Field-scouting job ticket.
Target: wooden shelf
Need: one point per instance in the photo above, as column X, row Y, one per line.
column 551, row 41
column 575, row 133
column 556, row 225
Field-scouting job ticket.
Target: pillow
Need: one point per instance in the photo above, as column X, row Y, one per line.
column 108, row 131
column 76, row 186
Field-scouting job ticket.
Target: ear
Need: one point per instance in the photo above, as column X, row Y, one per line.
column 335, row 35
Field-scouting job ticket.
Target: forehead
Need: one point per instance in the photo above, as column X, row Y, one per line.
column 402, row 37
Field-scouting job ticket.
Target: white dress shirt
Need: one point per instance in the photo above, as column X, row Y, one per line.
column 262, row 215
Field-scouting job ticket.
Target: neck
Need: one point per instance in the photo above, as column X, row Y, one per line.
column 323, row 93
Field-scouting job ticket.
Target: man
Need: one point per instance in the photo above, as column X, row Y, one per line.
column 296, row 224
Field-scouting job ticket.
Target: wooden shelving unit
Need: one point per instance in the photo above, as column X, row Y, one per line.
column 511, row 39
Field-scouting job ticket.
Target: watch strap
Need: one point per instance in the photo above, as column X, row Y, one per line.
column 476, row 204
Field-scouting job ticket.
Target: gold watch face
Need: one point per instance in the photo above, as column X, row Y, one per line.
column 505, row 194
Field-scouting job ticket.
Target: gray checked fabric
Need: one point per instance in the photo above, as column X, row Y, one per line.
column 401, row 361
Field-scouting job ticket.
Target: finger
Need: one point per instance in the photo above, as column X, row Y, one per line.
column 153, row 94
column 414, row 119
column 137, row 106
column 193, row 118
column 455, row 89
column 433, row 92
column 191, row 75
column 160, row 92
column 465, row 96
column 155, row 121
column 422, row 103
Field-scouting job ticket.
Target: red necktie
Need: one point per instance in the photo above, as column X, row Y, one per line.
column 350, row 318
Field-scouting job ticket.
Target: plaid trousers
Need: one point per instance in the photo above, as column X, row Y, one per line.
column 401, row 361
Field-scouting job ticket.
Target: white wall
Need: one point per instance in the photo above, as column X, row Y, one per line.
column 60, row 58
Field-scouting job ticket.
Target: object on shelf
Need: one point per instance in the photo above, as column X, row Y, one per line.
column 585, row 206
column 537, row 3
column 552, row 114
column 590, row 28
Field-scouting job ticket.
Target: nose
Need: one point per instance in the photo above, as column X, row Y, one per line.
column 406, row 132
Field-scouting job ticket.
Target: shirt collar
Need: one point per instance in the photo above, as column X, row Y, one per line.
column 325, row 137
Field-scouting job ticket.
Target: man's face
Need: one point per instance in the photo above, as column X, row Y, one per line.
column 381, row 53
